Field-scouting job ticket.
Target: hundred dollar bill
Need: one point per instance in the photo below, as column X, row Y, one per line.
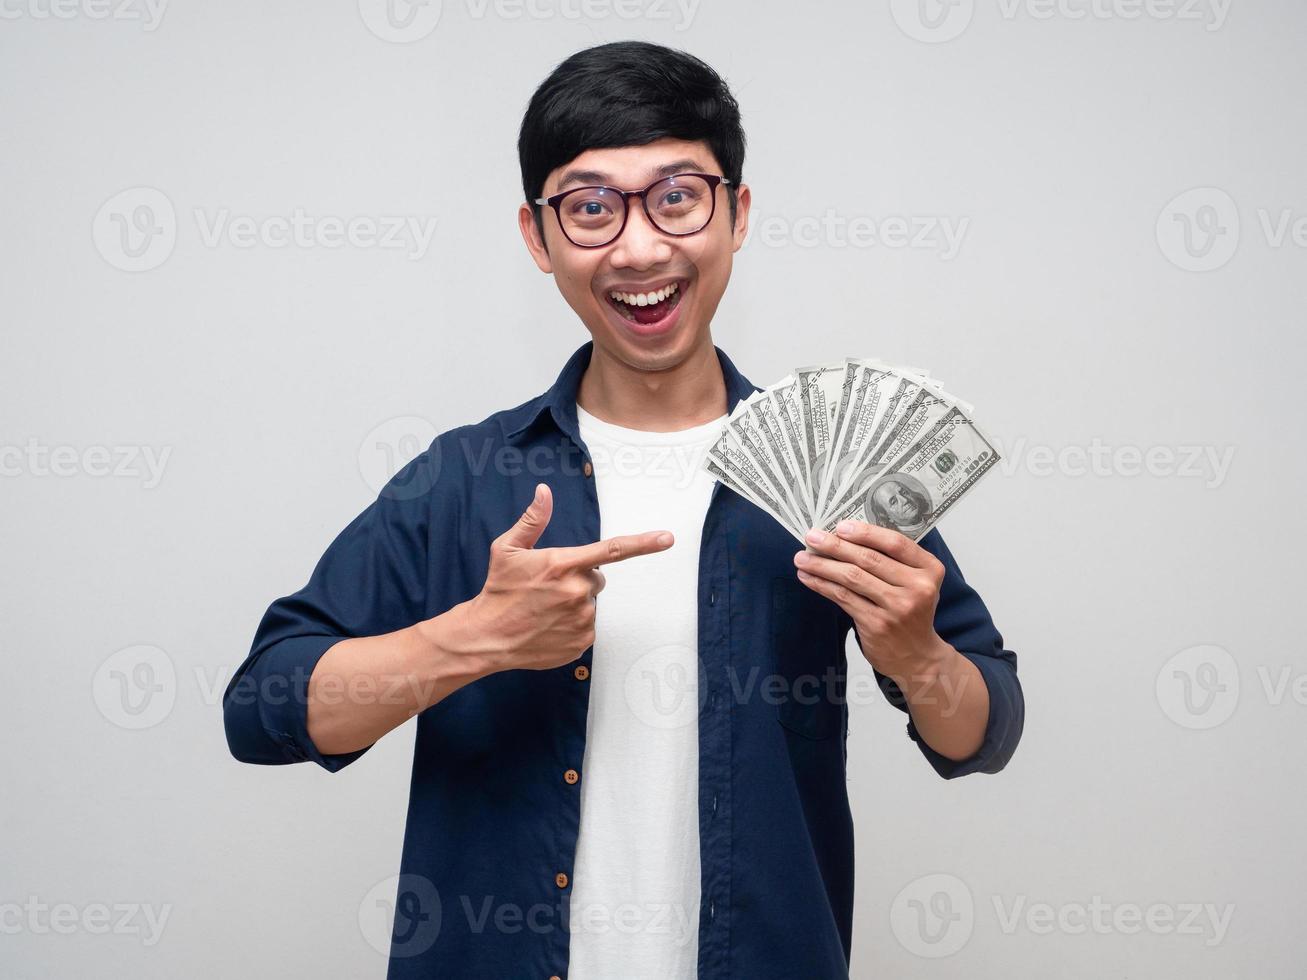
column 755, row 427
column 770, row 430
column 785, row 393
column 752, row 491
column 819, row 399
column 919, row 487
column 913, row 405
column 864, row 396
column 744, row 442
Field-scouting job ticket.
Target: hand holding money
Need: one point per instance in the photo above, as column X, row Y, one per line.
column 858, row 440
column 889, row 586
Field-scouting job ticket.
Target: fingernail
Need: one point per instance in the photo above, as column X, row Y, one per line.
column 844, row 527
column 664, row 538
column 815, row 536
column 801, row 558
column 540, row 492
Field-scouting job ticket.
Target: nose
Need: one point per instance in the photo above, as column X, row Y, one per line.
column 641, row 245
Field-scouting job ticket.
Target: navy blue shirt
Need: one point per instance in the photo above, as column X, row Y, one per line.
column 492, row 822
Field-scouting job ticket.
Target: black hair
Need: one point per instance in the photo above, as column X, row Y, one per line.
column 628, row 93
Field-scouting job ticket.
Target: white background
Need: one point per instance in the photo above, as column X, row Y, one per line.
column 1075, row 314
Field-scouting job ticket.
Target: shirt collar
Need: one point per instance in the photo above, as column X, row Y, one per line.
column 560, row 400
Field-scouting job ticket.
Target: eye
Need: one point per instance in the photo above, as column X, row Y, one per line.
column 591, row 207
column 677, row 198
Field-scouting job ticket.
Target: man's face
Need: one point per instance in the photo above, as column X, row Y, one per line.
column 643, row 259
column 892, row 499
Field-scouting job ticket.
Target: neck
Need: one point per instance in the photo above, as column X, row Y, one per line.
column 689, row 394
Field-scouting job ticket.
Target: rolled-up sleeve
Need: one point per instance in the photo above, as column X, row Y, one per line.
column 963, row 621
column 371, row 580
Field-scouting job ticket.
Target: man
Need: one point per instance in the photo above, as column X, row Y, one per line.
column 631, row 749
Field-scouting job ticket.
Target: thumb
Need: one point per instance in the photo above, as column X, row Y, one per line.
column 526, row 532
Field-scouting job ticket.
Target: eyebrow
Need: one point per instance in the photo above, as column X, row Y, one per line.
column 584, row 177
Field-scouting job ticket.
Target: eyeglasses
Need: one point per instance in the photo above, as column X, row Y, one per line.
column 594, row 216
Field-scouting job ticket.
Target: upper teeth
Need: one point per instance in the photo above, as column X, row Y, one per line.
column 645, row 299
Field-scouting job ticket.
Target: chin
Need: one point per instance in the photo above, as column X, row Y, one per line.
column 656, row 345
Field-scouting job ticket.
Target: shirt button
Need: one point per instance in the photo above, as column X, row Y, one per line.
column 571, row 775
column 587, row 469
column 581, row 672
column 560, row 880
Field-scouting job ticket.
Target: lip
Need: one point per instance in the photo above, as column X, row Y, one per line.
column 645, row 331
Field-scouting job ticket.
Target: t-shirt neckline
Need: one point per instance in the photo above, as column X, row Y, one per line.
column 644, row 437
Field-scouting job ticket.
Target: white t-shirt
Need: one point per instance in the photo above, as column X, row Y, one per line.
column 635, row 895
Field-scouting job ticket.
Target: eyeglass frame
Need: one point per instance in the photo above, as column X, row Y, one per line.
column 556, row 202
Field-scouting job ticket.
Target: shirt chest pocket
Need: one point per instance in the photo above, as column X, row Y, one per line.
column 808, row 655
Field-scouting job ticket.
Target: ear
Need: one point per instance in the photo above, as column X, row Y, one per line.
column 743, row 198
column 526, row 223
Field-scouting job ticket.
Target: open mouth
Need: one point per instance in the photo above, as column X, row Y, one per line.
column 648, row 308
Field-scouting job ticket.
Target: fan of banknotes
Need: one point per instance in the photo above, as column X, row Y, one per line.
column 859, row 439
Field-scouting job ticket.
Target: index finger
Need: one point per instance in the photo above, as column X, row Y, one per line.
column 888, row 542
column 618, row 548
